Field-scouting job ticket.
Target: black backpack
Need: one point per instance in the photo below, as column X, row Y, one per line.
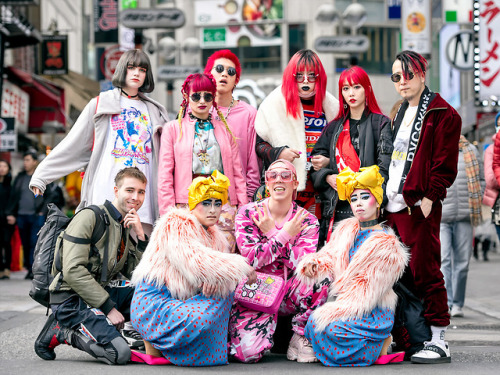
column 55, row 223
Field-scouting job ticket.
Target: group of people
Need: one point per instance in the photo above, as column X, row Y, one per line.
column 351, row 203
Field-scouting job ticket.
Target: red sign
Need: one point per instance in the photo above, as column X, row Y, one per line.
column 108, row 61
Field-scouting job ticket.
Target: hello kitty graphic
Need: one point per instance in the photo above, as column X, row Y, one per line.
column 250, row 290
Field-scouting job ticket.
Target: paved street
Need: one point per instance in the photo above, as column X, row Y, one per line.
column 474, row 339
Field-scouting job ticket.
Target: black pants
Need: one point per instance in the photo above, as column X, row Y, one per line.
column 6, row 232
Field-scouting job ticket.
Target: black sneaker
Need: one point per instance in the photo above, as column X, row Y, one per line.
column 47, row 339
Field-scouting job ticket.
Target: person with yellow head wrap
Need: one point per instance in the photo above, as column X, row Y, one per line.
column 187, row 274
column 364, row 260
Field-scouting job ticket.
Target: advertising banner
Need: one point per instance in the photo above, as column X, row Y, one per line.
column 105, row 21
column 15, row 103
column 233, row 23
column 8, row 137
column 489, row 49
column 416, row 26
column 54, row 50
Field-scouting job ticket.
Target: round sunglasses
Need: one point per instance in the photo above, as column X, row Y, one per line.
column 286, row 176
column 220, row 68
column 300, row 77
column 195, row 97
column 396, row 77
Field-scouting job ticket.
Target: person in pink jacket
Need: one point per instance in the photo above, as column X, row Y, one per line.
column 195, row 145
column 240, row 116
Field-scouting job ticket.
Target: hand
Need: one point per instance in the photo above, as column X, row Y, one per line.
column 36, row 191
column 319, row 161
column 11, row 219
column 289, row 154
column 332, row 180
column 426, row 206
column 252, row 277
column 311, row 270
column 295, row 226
column 209, row 290
column 133, row 221
column 264, row 221
column 116, row 318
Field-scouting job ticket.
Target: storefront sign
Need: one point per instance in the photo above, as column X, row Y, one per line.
column 15, row 103
column 166, row 72
column 165, row 18
column 460, row 50
column 416, row 26
column 342, row 44
column 8, row 137
column 105, row 21
column 54, row 49
column 107, row 61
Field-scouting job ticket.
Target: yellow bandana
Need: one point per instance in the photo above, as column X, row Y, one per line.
column 368, row 178
column 203, row 188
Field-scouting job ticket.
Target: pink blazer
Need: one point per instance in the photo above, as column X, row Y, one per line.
column 175, row 171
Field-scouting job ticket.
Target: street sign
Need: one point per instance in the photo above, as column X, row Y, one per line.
column 342, row 44
column 460, row 50
column 167, row 72
column 8, row 136
column 165, row 18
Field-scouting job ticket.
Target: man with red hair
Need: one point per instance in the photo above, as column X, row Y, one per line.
column 226, row 69
column 426, row 131
column 291, row 118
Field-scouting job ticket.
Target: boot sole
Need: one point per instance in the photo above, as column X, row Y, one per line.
column 431, row 360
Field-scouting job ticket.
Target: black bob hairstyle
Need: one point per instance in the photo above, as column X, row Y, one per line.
column 134, row 57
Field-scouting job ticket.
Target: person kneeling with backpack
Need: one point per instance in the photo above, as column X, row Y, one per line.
column 89, row 304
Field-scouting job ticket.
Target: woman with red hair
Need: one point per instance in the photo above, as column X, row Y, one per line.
column 196, row 144
column 240, row 116
column 291, row 118
column 359, row 136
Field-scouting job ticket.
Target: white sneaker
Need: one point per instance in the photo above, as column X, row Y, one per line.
column 300, row 349
column 433, row 352
column 456, row 312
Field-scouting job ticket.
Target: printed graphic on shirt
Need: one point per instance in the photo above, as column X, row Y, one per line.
column 314, row 125
column 131, row 130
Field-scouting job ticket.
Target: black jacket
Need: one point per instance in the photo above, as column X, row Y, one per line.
column 375, row 148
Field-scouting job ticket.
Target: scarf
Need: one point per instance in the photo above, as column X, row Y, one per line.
column 473, row 185
column 425, row 99
column 345, row 153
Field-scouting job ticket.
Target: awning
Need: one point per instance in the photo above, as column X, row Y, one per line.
column 47, row 114
column 16, row 30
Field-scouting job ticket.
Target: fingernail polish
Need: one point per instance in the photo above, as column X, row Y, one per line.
column 36, row 195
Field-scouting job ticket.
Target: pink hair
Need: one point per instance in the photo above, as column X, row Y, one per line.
column 411, row 60
column 224, row 54
column 351, row 76
column 304, row 60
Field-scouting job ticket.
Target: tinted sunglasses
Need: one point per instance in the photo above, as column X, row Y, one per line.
column 195, row 97
column 220, row 68
column 396, row 77
column 286, row 176
column 311, row 77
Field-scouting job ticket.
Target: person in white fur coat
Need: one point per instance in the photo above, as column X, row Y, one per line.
column 185, row 282
column 364, row 260
column 291, row 118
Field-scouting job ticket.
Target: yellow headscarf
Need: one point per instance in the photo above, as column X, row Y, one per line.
column 203, row 188
column 368, row 178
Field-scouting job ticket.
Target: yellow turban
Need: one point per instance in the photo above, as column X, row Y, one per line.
column 203, row 188
column 368, row 178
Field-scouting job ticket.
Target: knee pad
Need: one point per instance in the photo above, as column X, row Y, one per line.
column 122, row 350
column 115, row 352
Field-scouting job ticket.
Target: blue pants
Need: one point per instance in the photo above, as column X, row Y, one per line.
column 29, row 226
column 456, row 250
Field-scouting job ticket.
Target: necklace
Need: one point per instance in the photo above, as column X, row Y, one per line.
column 369, row 223
column 203, row 153
column 201, row 122
column 230, row 106
column 129, row 96
column 411, row 121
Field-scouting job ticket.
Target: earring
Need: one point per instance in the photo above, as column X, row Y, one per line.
column 345, row 106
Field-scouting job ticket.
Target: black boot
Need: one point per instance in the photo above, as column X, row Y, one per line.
column 50, row 337
column 486, row 248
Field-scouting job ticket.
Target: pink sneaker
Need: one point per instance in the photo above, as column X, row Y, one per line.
column 300, row 350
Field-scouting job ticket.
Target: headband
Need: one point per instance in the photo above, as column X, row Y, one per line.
column 203, row 188
column 368, row 178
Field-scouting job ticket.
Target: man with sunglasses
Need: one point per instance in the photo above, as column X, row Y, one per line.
column 226, row 69
column 426, row 130
column 274, row 234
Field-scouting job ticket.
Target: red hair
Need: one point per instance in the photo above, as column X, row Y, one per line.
column 224, row 54
column 412, row 60
column 304, row 60
column 356, row 75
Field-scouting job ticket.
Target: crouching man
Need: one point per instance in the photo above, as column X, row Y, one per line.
column 89, row 304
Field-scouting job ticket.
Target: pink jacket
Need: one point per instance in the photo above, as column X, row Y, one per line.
column 175, row 172
column 492, row 187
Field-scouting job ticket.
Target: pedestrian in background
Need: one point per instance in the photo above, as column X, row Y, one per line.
column 120, row 128
column 225, row 67
column 458, row 220
column 6, row 229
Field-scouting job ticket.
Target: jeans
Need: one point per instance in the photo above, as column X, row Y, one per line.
column 456, row 250
column 29, row 226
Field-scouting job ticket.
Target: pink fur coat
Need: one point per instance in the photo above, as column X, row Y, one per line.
column 361, row 284
column 183, row 255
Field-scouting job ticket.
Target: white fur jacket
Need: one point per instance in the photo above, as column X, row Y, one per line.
column 362, row 284
column 183, row 255
column 276, row 128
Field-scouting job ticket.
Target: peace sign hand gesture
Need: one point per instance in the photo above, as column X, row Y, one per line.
column 295, row 226
column 264, row 221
